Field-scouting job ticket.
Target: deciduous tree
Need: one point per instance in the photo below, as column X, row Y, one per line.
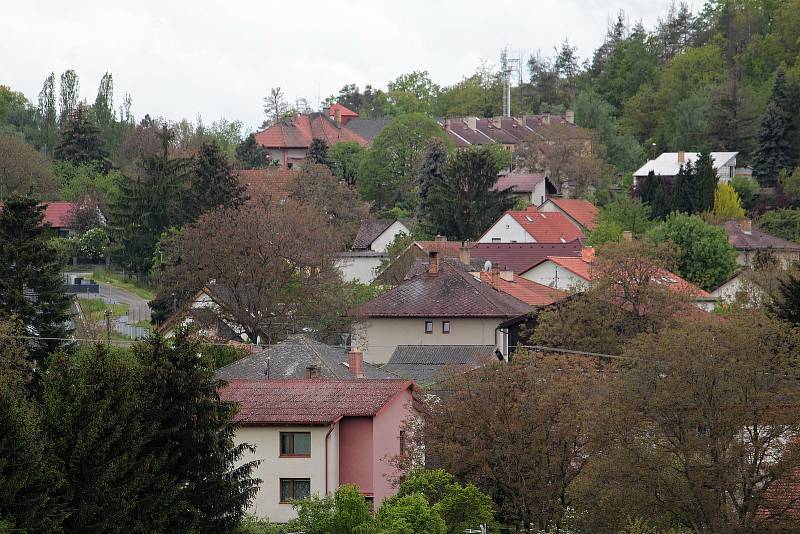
column 24, row 171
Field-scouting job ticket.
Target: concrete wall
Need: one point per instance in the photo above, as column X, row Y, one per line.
column 355, row 453
column 507, row 230
column 550, row 274
column 386, row 428
column 272, row 467
column 384, row 240
column 359, row 268
column 539, row 194
column 378, row 337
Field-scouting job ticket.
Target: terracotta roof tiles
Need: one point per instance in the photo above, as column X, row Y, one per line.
column 583, row 211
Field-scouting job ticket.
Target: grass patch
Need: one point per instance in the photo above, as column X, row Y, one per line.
column 130, row 284
column 95, row 309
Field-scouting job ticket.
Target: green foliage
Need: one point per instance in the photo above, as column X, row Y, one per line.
column 466, row 507
column 217, row 356
column 81, row 180
column 253, row 525
column 745, row 187
column 413, row 92
column 787, row 304
column 727, row 204
column 461, row 203
column 410, row 514
column 93, row 244
column 432, row 483
column 706, row 258
column 24, row 171
column 656, row 192
column 777, row 138
column 783, row 223
column 388, row 174
column 626, row 213
column 345, row 160
column 29, row 265
column 343, row 512
column 251, row 155
column 608, row 231
column 318, row 152
column 30, row 481
column 81, row 142
column 212, row 183
column 790, row 183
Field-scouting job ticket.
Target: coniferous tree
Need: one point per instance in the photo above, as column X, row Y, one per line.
column 251, row 155
column 776, row 137
column 213, row 182
column 81, row 142
column 656, row 192
column 463, row 203
column 195, row 432
column 31, row 283
column 787, row 305
column 318, row 152
column 682, row 198
column 431, row 171
column 703, row 183
column 29, row 478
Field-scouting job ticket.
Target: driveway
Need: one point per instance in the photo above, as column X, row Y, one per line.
column 138, row 309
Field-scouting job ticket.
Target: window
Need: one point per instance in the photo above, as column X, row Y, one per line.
column 445, row 327
column 495, row 240
column 296, row 444
column 370, row 502
column 295, row 489
column 429, row 327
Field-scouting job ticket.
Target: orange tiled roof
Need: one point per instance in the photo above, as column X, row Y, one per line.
column 546, row 227
column 273, row 182
column 582, row 211
column 300, row 130
column 525, row 290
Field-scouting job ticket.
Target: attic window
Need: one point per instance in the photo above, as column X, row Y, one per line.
column 529, row 218
column 563, row 240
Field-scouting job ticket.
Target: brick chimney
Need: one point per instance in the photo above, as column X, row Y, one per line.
column 587, row 254
column 546, row 118
column 497, row 122
column 312, row 371
column 440, row 238
column 627, row 235
column 507, row 275
column 495, row 275
column 337, row 116
column 569, row 116
column 747, row 226
column 433, row 262
column 472, row 122
column 681, row 157
column 463, row 253
column 355, row 360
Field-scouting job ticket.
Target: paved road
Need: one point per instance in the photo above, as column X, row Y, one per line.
column 137, row 307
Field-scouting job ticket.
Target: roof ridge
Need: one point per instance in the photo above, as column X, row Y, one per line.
column 477, row 285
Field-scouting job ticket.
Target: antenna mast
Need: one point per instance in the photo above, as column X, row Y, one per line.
column 508, row 66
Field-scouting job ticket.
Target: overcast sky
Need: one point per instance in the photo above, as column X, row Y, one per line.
column 179, row 58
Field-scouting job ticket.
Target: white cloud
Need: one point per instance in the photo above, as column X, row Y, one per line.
column 219, row 58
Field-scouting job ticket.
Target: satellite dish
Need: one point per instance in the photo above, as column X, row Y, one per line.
column 487, row 267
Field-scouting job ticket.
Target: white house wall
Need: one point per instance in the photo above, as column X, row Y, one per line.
column 507, row 230
column 273, row 468
column 362, row 269
column 383, row 241
column 550, row 274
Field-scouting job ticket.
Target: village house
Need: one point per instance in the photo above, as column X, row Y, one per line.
column 289, row 139
column 571, row 273
column 582, row 213
column 532, row 226
column 313, row 435
column 362, row 261
column 669, row 164
column 444, row 305
column 755, row 246
column 205, row 313
column 532, row 188
column 299, row 356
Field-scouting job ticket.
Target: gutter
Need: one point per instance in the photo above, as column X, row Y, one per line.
column 333, row 425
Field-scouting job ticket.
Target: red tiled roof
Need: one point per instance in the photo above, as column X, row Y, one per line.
column 273, row 182
column 583, row 268
column 452, row 292
column 519, row 183
column 527, row 291
column 300, row 130
column 756, row 239
column 58, row 214
column 296, row 401
column 546, row 227
column 519, row 257
column 582, row 211
column 447, row 248
column 500, row 135
column 343, row 111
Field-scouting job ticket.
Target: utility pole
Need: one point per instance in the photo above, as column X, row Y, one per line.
column 108, row 326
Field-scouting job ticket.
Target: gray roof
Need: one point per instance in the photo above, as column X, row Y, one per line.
column 367, row 128
column 369, row 231
column 290, row 358
column 427, row 364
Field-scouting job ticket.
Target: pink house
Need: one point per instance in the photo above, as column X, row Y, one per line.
column 314, row 435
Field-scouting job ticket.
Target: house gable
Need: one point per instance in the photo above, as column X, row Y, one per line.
column 506, row 230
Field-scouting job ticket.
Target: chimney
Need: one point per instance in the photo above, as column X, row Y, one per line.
column 587, row 254
column 569, row 116
column 463, row 253
column 433, row 261
column 497, row 122
column 312, row 371
column 472, row 122
column 747, row 226
column 337, row 117
column 507, row 275
column 495, row 275
column 546, row 118
column 627, row 235
column 681, row 157
column 355, row 360
column 440, row 238
column 447, row 124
